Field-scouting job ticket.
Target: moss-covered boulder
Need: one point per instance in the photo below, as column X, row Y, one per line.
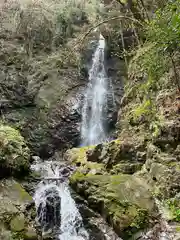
column 17, row 224
column 78, row 158
column 116, row 152
column 14, row 154
column 16, row 211
column 123, row 200
column 115, row 157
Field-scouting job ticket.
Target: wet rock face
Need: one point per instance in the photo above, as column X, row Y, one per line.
column 96, row 226
column 49, row 212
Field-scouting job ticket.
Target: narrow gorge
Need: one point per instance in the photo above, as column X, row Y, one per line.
column 89, row 120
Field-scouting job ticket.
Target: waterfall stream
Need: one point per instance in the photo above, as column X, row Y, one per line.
column 94, row 110
column 56, row 209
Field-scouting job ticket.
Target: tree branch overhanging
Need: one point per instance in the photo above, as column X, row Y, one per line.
column 106, row 21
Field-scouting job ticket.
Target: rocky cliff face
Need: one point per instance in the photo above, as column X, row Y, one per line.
column 43, row 97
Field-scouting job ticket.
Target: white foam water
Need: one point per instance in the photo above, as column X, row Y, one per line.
column 69, row 219
column 95, row 103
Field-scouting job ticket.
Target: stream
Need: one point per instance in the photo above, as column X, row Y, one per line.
column 57, row 211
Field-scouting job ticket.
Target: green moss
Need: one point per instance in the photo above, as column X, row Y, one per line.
column 126, row 168
column 77, row 176
column 178, row 229
column 78, row 155
column 14, row 154
column 116, row 141
column 17, row 224
column 30, row 234
column 175, row 165
column 141, row 219
column 23, row 195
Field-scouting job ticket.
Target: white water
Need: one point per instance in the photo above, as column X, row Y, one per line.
column 71, row 226
column 95, row 103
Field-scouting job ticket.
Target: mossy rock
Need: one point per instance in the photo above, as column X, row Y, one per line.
column 123, row 200
column 105, row 156
column 14, row 154
column 14, row 199
column 126, row 168
column 17, row 224
column 30, row 234
column 162, row 172
column 78, row 157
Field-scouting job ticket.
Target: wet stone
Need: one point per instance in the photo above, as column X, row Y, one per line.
column 49, row 210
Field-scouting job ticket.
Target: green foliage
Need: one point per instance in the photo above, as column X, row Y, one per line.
column 174, row 207
column 164, row 29
column 77, row 176
column 143, row 109
column 152, row 60
column 14, row 154
column 141, row 220
column 144, row 112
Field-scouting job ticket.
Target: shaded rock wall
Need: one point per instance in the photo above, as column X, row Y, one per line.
column 43, row 96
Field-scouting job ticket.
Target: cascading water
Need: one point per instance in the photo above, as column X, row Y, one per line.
column 95, row 106
column 56, row 209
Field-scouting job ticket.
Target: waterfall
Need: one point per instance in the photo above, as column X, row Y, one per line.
column 94, row 110
column 56, row 210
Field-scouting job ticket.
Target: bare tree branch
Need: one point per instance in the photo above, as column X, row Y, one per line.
column 108, row 20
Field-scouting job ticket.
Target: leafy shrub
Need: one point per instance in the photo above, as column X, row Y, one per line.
column 145, row 112
column 158, row 54
column 164, row 32
column 164, row 29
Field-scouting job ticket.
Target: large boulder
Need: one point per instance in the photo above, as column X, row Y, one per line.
column 16, row 212
column 101, row 178
column 14, row 154
column 123, row 200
